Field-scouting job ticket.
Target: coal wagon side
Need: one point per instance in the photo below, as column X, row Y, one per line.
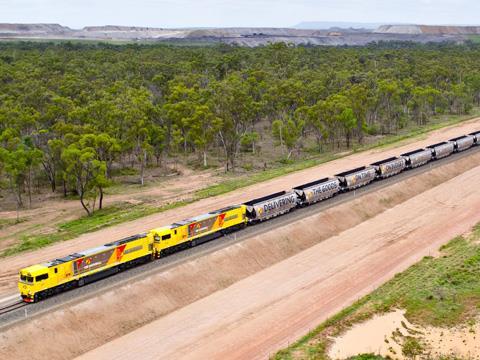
column 355, row 178
column 270, row 206
column 417, row 157
column 476, row 137
column 389, row 167
column 442, row 149
column 318, row 190
column 462, row 143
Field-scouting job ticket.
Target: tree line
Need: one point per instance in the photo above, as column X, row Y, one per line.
column 70, row 113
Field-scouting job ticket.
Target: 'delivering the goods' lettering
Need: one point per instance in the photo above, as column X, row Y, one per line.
column 279, row 203
column 324, row 188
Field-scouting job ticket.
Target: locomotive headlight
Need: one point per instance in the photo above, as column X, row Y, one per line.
column 156, row 238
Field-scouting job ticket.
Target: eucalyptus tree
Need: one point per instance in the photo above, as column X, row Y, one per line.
column 86, row 173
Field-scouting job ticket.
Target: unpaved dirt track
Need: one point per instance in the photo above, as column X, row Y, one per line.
column 9, row 266
column 272, row 308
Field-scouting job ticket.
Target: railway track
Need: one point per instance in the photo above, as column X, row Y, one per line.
column 11, row 307
column 14, row 314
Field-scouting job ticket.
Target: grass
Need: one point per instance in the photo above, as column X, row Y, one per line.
column 9, row 222
column 442, row 291
column 117, row 214
column 366, row 357
column 251, row 179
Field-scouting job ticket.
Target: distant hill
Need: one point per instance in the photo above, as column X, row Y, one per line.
column 325, row 25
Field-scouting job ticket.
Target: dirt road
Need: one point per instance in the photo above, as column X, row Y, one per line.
column 9, row 266
column 270, row 309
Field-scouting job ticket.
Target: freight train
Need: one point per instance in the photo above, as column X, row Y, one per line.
column 40, row 281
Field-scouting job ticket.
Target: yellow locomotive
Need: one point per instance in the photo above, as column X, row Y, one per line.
column 40, row 281
column 199, row 229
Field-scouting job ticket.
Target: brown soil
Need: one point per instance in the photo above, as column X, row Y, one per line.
column 10, row 266
column 265, row 302
column 385, row 334
column 378, row 335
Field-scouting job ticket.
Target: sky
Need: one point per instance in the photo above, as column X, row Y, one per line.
column 225, row 13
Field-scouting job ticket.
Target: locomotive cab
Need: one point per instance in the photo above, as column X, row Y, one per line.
column 163, row 238
column 33, row 280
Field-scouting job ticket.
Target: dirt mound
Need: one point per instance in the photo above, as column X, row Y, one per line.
column 89, row 324
column 260, row 31
column 399, row 29
column 34, row 29
column 120, row 28
column 129, row 32
column 450, row 30
column 428, row 30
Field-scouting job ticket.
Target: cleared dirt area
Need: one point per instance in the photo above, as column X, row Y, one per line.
column 244, row 301
column 10, row 266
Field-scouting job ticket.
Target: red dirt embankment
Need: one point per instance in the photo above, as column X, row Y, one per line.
column 159, row 298
column 9, row 266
